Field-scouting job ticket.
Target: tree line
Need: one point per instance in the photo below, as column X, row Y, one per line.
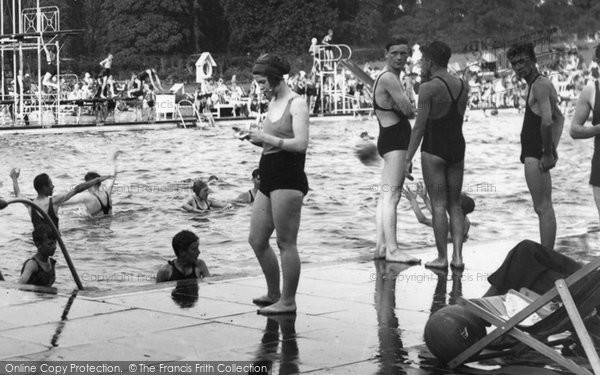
column 170, row 34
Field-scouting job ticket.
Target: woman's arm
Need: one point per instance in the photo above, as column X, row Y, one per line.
column 299, row 143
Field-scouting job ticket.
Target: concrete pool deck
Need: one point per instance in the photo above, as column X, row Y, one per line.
column 351, row 319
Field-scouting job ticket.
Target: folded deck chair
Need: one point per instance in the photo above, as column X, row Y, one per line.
column 579, row 294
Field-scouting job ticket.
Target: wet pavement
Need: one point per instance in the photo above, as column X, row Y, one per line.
column 358, row 317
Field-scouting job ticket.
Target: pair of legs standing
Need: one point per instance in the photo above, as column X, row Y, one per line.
column 392, row 180
column 540, row 187
column 280, row 213
column 443, row 182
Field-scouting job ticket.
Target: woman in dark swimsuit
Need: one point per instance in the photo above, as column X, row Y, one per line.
column 199, row 202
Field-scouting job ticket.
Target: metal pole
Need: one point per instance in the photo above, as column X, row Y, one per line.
column 56, row 232
column 2, row 56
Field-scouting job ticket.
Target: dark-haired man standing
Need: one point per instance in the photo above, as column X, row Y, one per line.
column 542, row 127
column 393, row 109
column 442, row 103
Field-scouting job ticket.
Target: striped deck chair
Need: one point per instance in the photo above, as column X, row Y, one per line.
column 579, row 295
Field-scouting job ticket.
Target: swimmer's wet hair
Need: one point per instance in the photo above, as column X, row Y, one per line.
column 41, row 232
column 41, row 181
column 395, row 41
column 256, row 173
column 182, row 240
column 90, row 176
column 526, row 48
column 438, row 52
column 198, row 185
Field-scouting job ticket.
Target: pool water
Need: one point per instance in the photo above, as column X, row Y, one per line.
column 158, row 166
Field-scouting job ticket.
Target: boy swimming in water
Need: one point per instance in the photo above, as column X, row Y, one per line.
column 39, row 270
column 186, row 265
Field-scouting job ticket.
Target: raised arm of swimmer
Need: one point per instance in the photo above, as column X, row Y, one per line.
column 14, row 175
column 60, row 199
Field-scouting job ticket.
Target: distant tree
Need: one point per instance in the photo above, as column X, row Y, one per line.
column 277, row 25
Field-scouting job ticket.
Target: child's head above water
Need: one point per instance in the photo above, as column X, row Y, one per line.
column 44, row 239
column 198, row 185
column 182, row 241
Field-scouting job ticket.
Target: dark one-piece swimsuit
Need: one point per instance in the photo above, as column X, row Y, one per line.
column 393, row 137
column 531, row 133
column 443, row 136
column 595, row 176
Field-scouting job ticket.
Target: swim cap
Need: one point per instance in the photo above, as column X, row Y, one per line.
column 438, row 52
column 271, row 65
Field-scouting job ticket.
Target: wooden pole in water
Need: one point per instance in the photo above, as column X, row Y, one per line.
column 63, row 248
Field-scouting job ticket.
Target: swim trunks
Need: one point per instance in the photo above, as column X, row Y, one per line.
column 282, row 170
column 395, row 137
column 443, row 137
column 531, row 133
column 595, row 175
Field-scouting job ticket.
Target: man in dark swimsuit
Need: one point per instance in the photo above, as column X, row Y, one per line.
column 442, row 103
column 45, row 198
column 392, row 108
column 589, row 101
column 186, row 265
column 542, row 127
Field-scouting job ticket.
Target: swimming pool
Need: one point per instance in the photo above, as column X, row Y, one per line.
column 157, row 168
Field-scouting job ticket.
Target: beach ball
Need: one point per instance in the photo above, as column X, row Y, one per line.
column 451, row 330
column 367, row 152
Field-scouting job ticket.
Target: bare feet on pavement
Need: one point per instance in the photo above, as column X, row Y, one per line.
column 278, row 308
column 265, row 300
column 439, row 263
column 398, row 255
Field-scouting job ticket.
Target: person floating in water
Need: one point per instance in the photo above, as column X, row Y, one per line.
column 442, row 103
column 249, row 196
column 186, row 265
column 542, row 128
column 199, row 202
column 39, row 269
column 45, row 198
